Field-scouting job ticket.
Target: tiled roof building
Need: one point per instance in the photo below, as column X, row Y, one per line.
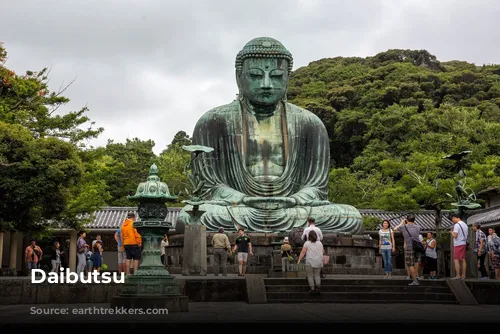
column 489, row 217
column 112, row 217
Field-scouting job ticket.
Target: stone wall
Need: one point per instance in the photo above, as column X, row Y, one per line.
column 22, row 291
column 257, row 264
column 348, row 255
column 8, row 272
column 486, row 292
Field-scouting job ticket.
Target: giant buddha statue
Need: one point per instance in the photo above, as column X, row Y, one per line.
column 269, row 168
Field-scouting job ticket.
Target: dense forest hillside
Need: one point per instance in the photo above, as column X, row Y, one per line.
column 392, row 117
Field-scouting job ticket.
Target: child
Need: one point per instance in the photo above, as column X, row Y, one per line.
column 88, row 257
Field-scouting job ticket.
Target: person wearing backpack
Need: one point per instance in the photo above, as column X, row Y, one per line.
column 286, row 255
column 414, row 248
column 459, row 233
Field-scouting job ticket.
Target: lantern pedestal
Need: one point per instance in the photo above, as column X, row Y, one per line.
column 194, row 257
column 151, row 286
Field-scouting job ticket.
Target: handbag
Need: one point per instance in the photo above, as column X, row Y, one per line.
column 467, row 244
column 417, row 245
column 326, row 259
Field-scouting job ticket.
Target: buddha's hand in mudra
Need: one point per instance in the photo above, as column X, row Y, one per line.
column 316, row 203
column 269, row 203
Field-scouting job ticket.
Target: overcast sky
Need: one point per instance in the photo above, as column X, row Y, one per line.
column 149, row 68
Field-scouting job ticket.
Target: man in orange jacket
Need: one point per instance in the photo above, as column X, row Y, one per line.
column 131, row 241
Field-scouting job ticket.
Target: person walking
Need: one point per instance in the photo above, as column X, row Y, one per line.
column 286, row 255
column 244, row 247
column 221, row 247
column 305, row 236
column 386, row 246
column 313, row 251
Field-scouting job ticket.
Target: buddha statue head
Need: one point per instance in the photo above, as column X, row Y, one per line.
column 263, row 67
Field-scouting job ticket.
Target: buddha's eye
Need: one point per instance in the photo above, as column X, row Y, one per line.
column 255, row 73
column 277, row 73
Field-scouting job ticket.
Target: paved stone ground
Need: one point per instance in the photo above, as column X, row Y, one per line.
column 209, row 312
column 235, row 276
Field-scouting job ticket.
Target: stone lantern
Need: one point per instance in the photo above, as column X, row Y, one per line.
column 151, row 286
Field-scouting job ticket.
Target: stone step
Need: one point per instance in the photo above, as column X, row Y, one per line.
column 360, row 288
column 359, row 301
column 273, row 297
column 352, row 281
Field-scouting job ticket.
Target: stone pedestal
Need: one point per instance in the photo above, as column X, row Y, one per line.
column 195, row 251
column 151, row 286
column 151, row 292
column 349, row 255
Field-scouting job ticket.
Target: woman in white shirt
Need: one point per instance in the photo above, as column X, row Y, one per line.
column 313, row 252
column 386, row 246
column 431, row 256
column 164, row 243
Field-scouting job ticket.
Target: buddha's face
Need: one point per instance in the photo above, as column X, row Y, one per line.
column 264, row 81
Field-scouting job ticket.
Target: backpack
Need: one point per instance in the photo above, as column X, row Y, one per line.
column 417, row 245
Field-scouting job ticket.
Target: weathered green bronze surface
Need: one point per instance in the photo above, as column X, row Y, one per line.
column 465, row 197
column 152, row 285
column 270, row 164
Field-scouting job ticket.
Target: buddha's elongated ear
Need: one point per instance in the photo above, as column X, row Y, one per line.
column 238, row 83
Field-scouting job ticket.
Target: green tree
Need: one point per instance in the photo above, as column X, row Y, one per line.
column 41, row 173
column 127, row 165
column 180, row 139
column 36, row 178
column 171, row 164
column 27, row 100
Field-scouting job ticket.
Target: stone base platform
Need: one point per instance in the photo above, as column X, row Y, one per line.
column 20, row 290
column 151, row 292
column 171, row 303
column 8, row 272
column 348, row 254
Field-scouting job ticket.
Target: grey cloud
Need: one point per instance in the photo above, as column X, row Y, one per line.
column 146, row 65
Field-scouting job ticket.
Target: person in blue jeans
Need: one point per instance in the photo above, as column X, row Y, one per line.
column 386, row 246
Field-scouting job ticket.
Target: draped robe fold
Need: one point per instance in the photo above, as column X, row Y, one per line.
column 305, row 178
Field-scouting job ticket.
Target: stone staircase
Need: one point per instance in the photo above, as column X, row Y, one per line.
column 353, row 290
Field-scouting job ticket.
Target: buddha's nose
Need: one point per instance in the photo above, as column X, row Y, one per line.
column 266, row 82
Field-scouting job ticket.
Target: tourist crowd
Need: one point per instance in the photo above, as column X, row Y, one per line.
column 420, row 254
